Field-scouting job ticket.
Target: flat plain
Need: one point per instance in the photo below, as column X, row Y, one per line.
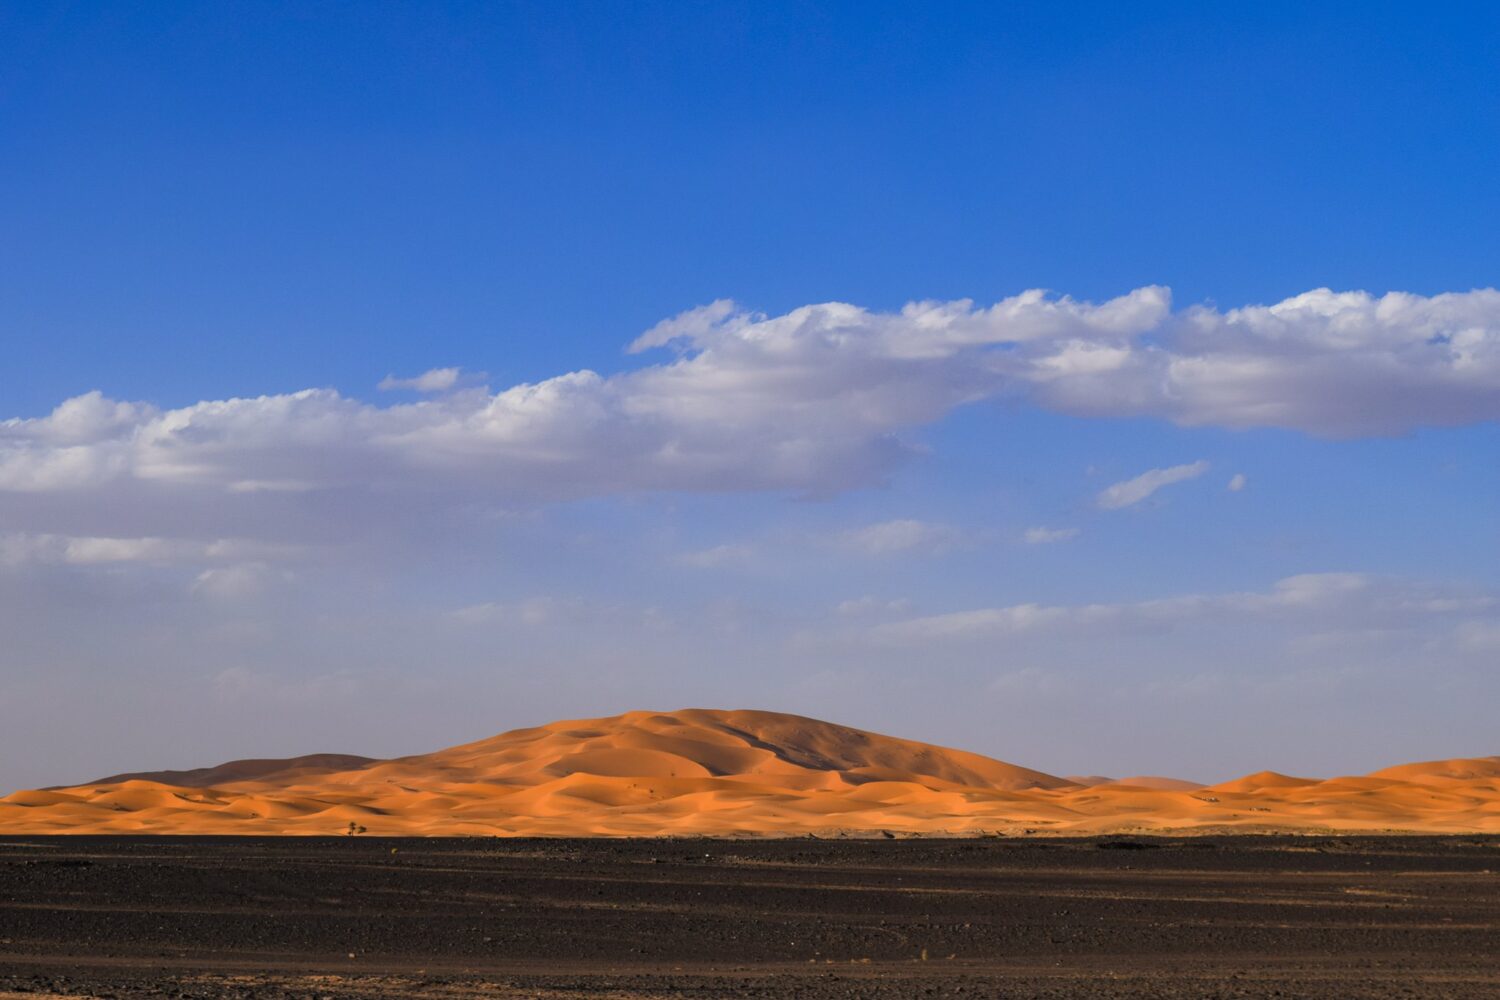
column 1250, row 916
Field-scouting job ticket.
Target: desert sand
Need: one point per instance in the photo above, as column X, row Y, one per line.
column 737, row 773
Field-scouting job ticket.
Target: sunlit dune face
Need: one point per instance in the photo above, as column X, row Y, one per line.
column 736, row 773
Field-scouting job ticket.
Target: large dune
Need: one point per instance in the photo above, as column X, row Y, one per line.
column 736, row 773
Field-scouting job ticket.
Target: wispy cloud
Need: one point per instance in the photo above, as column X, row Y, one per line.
column 1047, row 536
column 860, row 607
column 1133, row 491
column 1318, row 598
column 532, row 611
column 432, row 380
column 18, row 548
column 901, row 536
column 716, row 557
column 237, row 582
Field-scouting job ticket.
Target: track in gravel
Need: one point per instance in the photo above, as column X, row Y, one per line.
column 355, row 917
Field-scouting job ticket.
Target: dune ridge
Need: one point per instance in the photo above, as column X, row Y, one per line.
column 737, row 773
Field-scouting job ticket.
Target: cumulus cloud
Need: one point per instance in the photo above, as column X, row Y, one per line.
column 1046, row 536
column 900, row 536
column 821, row 399
column 1318, row 598
column 1133, row 491
column 1237, row 482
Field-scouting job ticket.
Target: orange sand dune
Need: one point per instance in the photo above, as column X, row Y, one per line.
column 1140, row 781
column 742, row 773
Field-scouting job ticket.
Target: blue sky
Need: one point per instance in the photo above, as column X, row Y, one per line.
column 203, row 203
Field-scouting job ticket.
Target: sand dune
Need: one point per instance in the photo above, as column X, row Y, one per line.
column 737, row 773
column 244, row 770
column 1140, row 781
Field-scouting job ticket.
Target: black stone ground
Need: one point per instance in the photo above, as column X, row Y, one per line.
column 355, row 917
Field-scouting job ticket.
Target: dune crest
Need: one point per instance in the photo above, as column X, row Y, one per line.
column 736, row 773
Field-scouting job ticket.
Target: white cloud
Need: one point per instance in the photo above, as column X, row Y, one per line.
column 1237, row 482
column 1338, row 364
column 818, row 400
column 1318, row 598
column 432, row 380
column 1046, row 536
column 690, row 325
column 900, row 536
column 1133, row 491
column 84, row 551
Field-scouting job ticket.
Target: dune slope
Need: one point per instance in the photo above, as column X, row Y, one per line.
column 734, row 773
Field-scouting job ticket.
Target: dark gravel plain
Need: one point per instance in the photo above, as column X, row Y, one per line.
column 212, row 917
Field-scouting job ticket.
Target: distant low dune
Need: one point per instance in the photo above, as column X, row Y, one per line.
column 736, row 773
column 1139, row 781
column 245, row 770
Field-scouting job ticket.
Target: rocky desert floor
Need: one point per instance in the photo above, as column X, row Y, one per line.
column 206, row 917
